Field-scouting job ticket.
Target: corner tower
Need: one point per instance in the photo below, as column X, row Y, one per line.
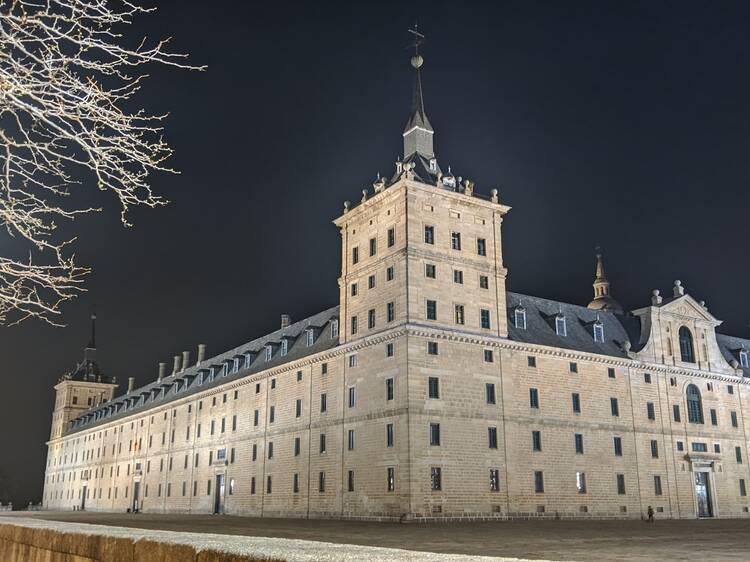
column 422, row 247
column 82, row 388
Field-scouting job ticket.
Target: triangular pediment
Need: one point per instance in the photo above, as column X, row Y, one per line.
column 688, row 307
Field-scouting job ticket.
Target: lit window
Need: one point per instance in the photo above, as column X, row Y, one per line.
column 561, row 327
column 456, row 240
column 459, row 314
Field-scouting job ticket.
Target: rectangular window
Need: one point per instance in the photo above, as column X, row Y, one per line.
column 650, row 411
column 429, row 234
column 714, row 418
column 355, row 255
column 323, row 403
column 458, row 276
column 295, row 483
column 391, row 237
column 429, row 270
column 391, row 479
column 436, row 479
column 272, row 414
column 581, row 482
column 371, row 282
column 389, row 312
column 297, row 446
column 270, row 449
column 611, row 373
column 614, row 406
column 252, row 486
column 730, row 389
column 743, row 490
column 676, row 412
column 350, row 440
column 481, row 247
column 494, row 480
column 699, row 447
column 618, row 446
column 536, row 440
column 717, row 448
column 734, row 418
column 269, row 485
column 455, row 240
column 350, row 481
column 389, row 350
column 680, row 446
column 390, row 273
column 488, row 356
column 539, row 482
column 298, row 408
column 354, row 289
column 738, row 454
column 489, row 391
column 435, row 434
column 576, row 403
column 432, row 348
column 460, row 314
column 371, row 318
column 492, row 437
column 531, row 361
column 389, row 389
column 533, row 398
column 352, row 396
column 389, row 435
column 353, row 360
column 654, row 449
column 322, row 443
column 433, row 387
column 484, row 318
column 647, row 378
column 657, row 485
column 621, row 484
column 321, row 482
column 354, row 325
column 484, row 282
column 431, row 310
column 255, row 451
column 573, row 367
column 579, row 443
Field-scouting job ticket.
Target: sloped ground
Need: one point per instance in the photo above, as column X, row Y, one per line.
column 726, row 539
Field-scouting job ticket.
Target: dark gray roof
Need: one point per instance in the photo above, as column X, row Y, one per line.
column 296, row 350
column 418, row 117
column 540, row 326
column 730, row 347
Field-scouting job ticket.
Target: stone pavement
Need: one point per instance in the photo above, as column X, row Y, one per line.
column 722, row 539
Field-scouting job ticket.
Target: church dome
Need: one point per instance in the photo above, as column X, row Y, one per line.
column 603, row 300
column 606, row 303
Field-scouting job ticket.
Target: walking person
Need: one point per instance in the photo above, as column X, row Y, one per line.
column 650, row 513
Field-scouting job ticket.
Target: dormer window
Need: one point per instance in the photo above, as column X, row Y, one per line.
column 235, row 364
column 211, row 374
column 433, row 164
column 744, row 361
column 284, row 347
column 248, row 360
column 519, row 318
column 334, row 328
column 561, row 327
column 269, row 352
column 199, row 379
column 598, row 332
column 310, row 337
column 449, row 181
column 224, row 370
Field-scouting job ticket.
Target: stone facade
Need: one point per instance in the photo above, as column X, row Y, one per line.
column 429, row 392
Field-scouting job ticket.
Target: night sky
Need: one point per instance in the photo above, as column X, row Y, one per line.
column 625, row 125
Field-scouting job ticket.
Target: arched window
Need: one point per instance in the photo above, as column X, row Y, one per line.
column 687, row 351
column 694, row 408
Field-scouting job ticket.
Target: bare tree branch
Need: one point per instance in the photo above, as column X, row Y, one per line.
column 65, row 81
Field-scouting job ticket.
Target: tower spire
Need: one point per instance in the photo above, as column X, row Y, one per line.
column 603, row 300
column 418, row 131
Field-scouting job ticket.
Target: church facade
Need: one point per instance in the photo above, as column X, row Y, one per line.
column 429, row 392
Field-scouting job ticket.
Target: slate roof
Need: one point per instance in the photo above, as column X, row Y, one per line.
column 730, row 347
column 320, row 323
column 540, row 326
column 418, row 117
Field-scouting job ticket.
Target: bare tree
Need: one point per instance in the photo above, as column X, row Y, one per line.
column 67, row 78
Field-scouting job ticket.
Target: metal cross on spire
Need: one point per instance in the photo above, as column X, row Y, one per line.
column 418, row 38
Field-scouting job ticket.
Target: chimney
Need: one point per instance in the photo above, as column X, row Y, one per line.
column 162, row 371
column 285, row 321
column 176, row 368
column 185, row 359
column 201, row 353
column 131, row 384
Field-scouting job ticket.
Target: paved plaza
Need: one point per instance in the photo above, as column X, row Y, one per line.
column 546, row 540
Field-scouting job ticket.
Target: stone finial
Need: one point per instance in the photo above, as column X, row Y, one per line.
column 703, row 305
column 378, row 184
column 656, row 297
column 626, row 346
column 468, row 187
column 678, row 289
column 347, row 204
column 493, row 195
column 364, row 195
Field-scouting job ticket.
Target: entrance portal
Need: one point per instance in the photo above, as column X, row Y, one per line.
column 136, row 497
column 219, row 499
column 703, row 495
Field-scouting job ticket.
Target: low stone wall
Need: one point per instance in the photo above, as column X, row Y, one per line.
column 36, row 540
